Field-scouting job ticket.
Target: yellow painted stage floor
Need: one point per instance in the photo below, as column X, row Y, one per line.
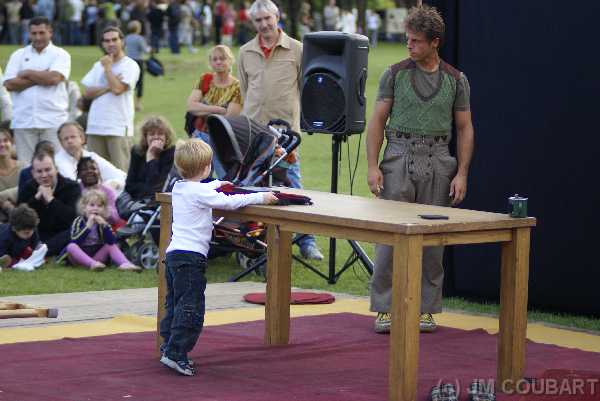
column 134, row 323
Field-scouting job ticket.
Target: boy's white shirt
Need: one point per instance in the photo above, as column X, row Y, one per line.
column 192, row 204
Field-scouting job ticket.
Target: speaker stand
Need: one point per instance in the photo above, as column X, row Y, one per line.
column 358, row 254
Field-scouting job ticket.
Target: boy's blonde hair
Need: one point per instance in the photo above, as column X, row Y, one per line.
column 93, row 195
column 192, row 157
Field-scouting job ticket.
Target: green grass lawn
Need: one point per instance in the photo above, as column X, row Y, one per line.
column 167, row 96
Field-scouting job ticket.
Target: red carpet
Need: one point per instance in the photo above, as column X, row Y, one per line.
column 333, row 357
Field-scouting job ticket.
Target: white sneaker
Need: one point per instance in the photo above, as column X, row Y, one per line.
column 23, row 265
column 35, row 260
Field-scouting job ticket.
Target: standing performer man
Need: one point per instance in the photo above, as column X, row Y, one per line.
column 419, row 99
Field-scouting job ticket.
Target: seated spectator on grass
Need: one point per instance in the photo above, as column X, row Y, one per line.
column 20, row 246
column 151, row 162
column 9, row 174
column 54, row 198
column 25, row 175
column 72, row 140
column 92, row 241
column 89, row 177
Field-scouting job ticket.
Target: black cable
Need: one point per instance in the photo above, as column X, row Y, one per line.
column 349, row 166
column 352, row 174
column 356, row 162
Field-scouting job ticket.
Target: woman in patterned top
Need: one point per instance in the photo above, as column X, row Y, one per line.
column 217, row 92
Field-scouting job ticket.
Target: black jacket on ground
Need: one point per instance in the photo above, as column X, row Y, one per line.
column 58, row 215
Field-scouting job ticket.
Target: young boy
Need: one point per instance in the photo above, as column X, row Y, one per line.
column 192, row 203
column 20, row 246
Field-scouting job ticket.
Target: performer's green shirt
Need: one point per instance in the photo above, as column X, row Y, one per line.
column 423, row 102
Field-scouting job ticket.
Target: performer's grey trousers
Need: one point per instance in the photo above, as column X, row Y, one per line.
column 418, row 170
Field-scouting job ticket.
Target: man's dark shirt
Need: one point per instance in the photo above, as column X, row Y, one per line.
column 58, row 215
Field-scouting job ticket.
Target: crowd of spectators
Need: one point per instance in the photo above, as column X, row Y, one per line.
column 72, row 179
column 163, row 23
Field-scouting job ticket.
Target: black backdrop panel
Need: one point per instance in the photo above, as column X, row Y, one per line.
column 534, row 70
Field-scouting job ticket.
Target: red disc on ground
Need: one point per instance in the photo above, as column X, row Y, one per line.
column 296, row 298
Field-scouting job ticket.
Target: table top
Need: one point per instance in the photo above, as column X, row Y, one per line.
column 374, row 214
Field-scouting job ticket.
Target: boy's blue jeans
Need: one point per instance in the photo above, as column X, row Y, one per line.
column 184, row 318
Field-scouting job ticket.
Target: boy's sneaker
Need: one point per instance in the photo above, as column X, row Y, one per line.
column 163, row 348
column 426, row 323
column 383, row 322
column 181, row 367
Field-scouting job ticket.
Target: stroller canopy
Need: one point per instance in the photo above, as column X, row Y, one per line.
column 243, row 146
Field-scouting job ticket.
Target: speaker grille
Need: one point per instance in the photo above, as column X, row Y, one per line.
column 323, row 103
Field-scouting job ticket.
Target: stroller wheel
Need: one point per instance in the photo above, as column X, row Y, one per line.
column 246, row 263
column 148, row 255
column 132, row 251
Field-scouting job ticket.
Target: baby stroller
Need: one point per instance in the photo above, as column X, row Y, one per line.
column 138, row 239
column 252, row 156
column 251, row 153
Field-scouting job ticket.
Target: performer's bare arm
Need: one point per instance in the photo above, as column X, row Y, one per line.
column 465, row 144
column 375, row 134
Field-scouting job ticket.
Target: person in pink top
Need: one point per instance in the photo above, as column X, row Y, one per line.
column 89, row 178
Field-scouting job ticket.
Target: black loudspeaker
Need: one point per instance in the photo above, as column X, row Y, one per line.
column 334, row 75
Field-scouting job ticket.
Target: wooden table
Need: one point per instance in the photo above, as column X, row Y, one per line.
column 396, row 224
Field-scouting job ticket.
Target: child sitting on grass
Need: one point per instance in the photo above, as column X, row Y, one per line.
column 185, row 264
column 92, row 238
column 20, row 246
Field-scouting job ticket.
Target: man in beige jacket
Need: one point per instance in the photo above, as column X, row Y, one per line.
column 269, row 70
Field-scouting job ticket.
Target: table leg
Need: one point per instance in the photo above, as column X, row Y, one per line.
column 513, row 309
column 279, row 279
column 166, row 219
column 406, row 308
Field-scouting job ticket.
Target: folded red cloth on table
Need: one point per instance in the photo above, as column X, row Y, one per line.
column 283, row 197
